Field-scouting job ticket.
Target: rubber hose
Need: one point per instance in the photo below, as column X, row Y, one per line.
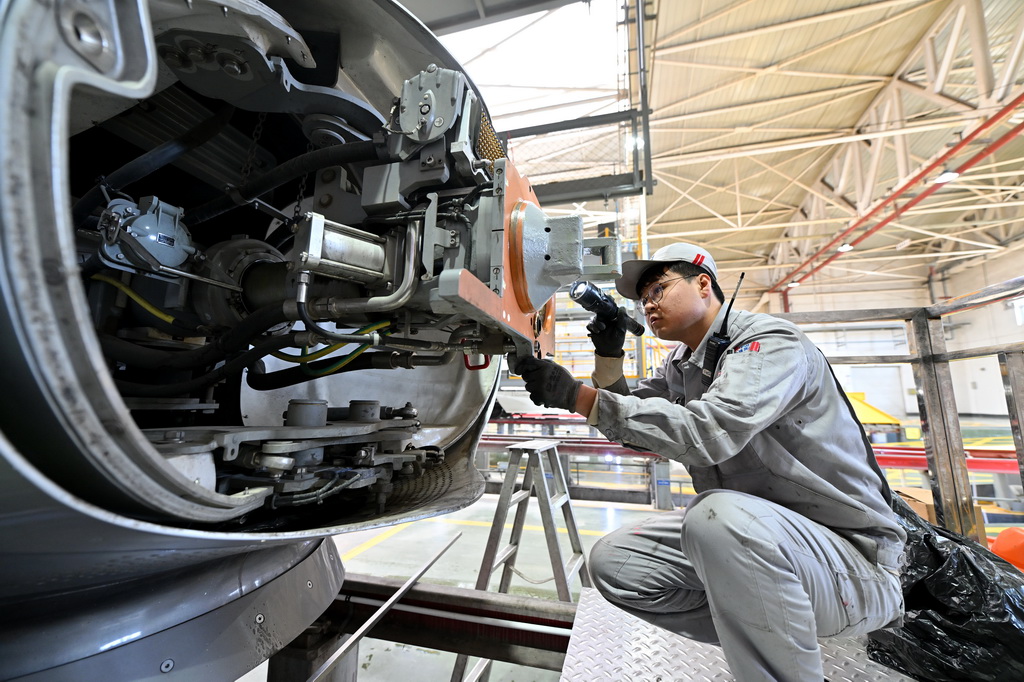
column 236, row 339
column 230, row 367
column 296, row 167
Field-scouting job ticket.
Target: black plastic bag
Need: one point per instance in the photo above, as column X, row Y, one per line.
column 964, row 609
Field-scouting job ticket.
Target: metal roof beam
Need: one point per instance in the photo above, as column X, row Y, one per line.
column 784, row 26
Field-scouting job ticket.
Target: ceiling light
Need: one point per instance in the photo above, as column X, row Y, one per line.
column 946, row 176
column 793, row 284
column 844, row 248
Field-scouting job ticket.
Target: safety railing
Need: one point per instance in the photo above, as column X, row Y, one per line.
column 940, row 421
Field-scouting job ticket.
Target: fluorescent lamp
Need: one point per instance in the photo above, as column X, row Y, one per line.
column 844, row 248
column 946, row 176
column 793, row 284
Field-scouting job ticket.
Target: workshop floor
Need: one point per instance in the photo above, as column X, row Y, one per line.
column 399, row 551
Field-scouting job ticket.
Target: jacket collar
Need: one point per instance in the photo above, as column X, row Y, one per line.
column 696, row 356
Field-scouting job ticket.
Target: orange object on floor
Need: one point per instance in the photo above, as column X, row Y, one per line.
column 1009, row 545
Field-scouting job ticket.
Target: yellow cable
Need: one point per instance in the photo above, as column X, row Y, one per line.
column 304, row 358
column 127, row 291
column 300, row 359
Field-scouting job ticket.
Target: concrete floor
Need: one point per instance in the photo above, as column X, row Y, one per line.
column 399, row 551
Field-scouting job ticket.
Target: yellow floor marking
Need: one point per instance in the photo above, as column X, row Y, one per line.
column 375, row 540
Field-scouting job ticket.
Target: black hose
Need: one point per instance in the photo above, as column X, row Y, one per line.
column 233, row 366
column 296, row 167
column 295, row 375
column 153, row 160
column 234, row 340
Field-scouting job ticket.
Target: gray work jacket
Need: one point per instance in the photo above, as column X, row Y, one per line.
column 772, row 424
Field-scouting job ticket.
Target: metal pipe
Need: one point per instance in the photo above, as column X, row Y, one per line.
column 399, row 297
column 1008, row 289
column 468, row 618
column 329, row 664
column 997, row 118
column 645, row 115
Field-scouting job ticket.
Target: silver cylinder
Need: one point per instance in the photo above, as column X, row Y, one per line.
column 364, row 411
column 347, row 250
column 307, row 412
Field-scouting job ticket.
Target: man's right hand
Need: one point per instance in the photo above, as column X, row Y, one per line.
column 609, row 337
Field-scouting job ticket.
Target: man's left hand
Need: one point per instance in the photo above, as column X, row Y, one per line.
column 548, row 384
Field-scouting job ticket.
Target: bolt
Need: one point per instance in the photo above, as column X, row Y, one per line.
column 424, row 108
column 328, row 175
column 196, row 54
column 439, row 122
column 88, row 33
column 174, row 59
column 431, row 68
column 498, row 171
column 232, row 67
column 259, row 618
column 309, row 584
column 325, row 200
column 167, row 666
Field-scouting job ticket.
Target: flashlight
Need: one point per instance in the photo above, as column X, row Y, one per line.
column 592, row 299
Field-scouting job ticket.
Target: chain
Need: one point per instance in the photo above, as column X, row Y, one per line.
column 250, row 159
column 302, row 189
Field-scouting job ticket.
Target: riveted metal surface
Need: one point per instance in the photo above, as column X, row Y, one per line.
column 610, row 644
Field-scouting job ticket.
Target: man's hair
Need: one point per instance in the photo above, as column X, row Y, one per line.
column 682, row 269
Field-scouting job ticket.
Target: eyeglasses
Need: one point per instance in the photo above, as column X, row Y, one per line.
column 655, row 293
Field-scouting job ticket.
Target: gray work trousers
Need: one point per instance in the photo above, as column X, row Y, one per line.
column 756, row 578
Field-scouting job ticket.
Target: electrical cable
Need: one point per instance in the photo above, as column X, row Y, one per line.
column 132, row 294
column 234, row 340
column 310, row 357
column 260, row 381
column 233, row 366
column 337, row 365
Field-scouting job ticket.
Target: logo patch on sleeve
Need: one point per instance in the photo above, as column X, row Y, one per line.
column 753, row 347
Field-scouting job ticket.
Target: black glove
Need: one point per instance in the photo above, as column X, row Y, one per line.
column 548, row 384
column 607, row 336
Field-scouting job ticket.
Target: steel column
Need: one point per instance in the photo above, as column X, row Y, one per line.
column 1011, row 367
column 940, row 425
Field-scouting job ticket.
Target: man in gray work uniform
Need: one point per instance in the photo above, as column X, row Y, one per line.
column 791, row 537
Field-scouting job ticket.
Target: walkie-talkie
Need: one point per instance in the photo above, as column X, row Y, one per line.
column 718, row 342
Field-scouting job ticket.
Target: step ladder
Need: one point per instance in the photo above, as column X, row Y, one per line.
column 545, row 475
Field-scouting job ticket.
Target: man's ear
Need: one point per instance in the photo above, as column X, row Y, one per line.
column 705, row 285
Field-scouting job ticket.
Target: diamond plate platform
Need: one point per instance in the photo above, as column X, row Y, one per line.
column 610, row 645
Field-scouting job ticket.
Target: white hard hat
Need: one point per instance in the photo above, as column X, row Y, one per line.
column 633, row 270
